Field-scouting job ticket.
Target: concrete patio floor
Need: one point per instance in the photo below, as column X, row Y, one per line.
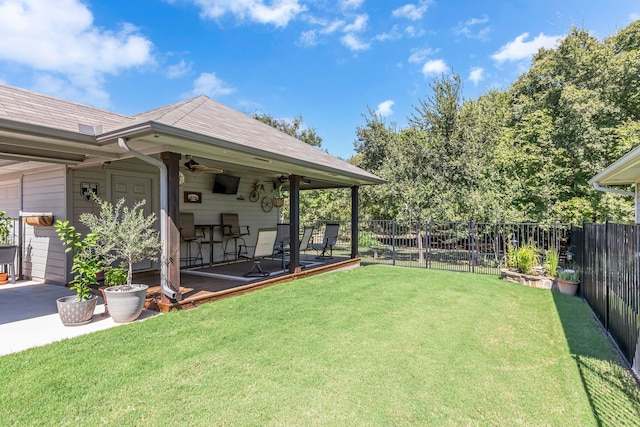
column 29, row 316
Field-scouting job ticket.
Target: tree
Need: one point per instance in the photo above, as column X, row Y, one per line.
column 294, row 128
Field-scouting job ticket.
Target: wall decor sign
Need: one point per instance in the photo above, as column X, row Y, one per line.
column 192, row 197
column 89, row 190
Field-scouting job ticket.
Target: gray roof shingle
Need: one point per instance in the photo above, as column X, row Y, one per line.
column 200, row 115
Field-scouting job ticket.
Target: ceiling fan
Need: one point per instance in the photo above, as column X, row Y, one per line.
column 196, row 167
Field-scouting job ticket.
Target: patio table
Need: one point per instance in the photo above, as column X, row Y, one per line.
column 211, row 228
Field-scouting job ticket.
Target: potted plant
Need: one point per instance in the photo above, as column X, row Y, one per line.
column 278, row 197
column 568, row 281
column 128, row 235
column 7, row 248
column 87, row 263
column 113, row 276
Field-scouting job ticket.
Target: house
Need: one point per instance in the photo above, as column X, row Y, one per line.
column 54, row 153
column 624, row 171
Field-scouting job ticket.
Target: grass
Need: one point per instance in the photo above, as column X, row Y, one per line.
column 376, row 345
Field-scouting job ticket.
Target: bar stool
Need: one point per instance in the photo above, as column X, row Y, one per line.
column 188, row 234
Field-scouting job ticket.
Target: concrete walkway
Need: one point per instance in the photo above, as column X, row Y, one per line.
column 29, row 316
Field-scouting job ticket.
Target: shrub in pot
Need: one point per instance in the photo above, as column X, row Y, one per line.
column 87, row 263
column 568, row 281
column 128, row 235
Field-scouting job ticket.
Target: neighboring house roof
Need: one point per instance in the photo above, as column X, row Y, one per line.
column 624, row 171
column 203, row 120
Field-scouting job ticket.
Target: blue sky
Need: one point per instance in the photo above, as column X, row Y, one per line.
column 325, row 60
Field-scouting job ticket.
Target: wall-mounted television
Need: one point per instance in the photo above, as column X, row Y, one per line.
column 226, row 184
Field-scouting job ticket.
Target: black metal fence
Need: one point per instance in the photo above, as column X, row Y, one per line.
column 608, row 259
column 474, row 247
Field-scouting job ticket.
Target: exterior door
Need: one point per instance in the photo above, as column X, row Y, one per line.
column 134, row 189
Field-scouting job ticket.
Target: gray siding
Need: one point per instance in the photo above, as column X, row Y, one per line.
column 208, row 212
column 45, row 191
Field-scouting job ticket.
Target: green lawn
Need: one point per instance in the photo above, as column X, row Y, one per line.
column 376, row 345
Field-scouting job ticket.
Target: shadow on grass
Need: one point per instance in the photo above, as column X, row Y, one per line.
column 610, row 387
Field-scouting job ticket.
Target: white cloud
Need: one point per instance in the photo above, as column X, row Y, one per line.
column 209, row 84
column 519, row 49
column 278, row 13
column 394, row 34
column 307, row 39
column 421, row 55
column 634, row 17
column 332, row 27
column 86, row 91
column 467, row 28
column 354, row 43
column 384, row 108
column 350, row 4
column 476, row 75
column 411, row 11
column 178, row 70
column 435, row 66
column 412, row 31
column 359, row 24
column 57, row 38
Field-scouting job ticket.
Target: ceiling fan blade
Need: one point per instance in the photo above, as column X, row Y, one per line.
column 213, row 170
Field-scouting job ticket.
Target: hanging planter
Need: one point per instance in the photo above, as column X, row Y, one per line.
column 38, row 220
column 278, row 203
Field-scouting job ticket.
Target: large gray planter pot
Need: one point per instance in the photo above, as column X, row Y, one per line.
column 76, row 313
column 125, row 302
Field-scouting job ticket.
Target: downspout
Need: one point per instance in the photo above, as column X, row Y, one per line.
column 164, row 208
column 612, row 190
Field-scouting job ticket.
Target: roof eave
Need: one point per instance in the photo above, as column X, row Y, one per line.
column 629, row 160
column 45, row 131
column 147, row 128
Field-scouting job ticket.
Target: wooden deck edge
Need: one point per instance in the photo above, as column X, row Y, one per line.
column 194, row 302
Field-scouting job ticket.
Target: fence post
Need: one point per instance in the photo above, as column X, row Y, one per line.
column 472, row 267
column 582, row 256
column 606, row 274
column 393, row 240
column 427, row 239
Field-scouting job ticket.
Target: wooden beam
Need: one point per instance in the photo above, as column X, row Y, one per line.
column 355, row 235
column 294, row 223
column 172, row 161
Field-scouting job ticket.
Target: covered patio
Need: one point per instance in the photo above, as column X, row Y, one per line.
column 55, row 154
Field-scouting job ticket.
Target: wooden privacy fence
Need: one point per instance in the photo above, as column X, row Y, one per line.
column 608, row 260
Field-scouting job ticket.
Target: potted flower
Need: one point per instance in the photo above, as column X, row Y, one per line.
column 87, row 263
column 278, row 197
column 7, row 247
column 568, row 281
column 128, row 235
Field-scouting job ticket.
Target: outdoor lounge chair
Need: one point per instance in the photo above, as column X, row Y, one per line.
column 263, row 248
column 305, row 242
column 328, row 241
column 231, row 230
column 283, row 238
column 188, row 234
